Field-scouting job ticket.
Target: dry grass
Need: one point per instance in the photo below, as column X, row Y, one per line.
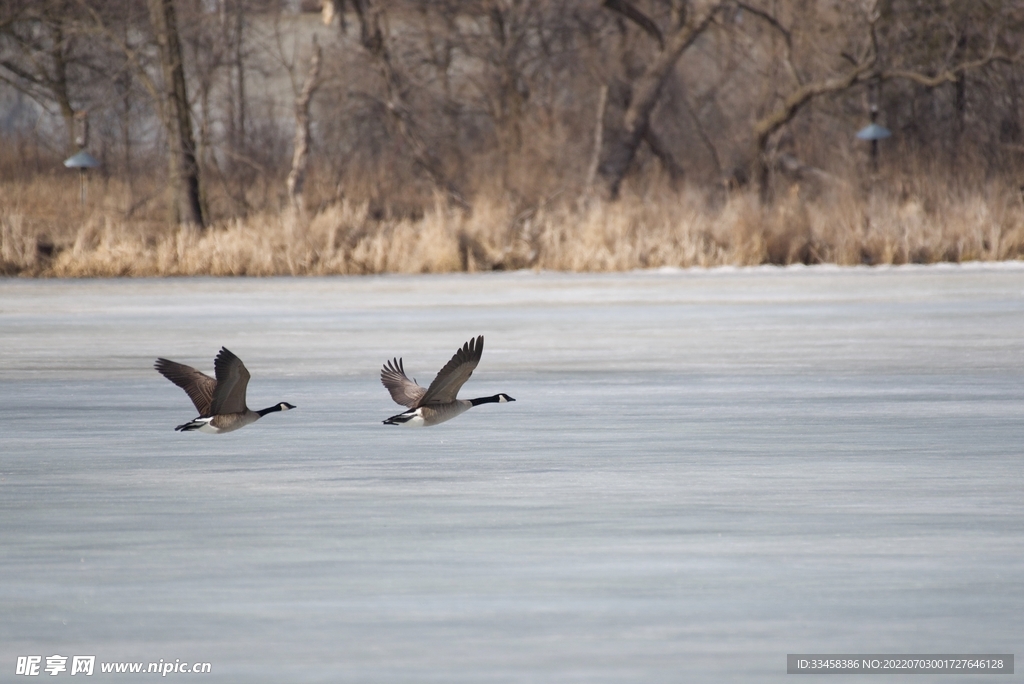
column 43, row 232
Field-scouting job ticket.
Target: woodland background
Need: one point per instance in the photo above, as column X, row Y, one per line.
column 363, row 136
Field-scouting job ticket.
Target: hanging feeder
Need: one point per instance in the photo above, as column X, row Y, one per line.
column 83, row 161
column 873, row 132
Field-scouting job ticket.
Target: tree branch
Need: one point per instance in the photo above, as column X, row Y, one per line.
column 769, row 19
column 131, row 55
column 786, row 35
column 627, row 10
column 374, row 42
column 947, row 76
column 804, row 94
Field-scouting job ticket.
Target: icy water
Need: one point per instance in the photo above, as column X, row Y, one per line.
column 703, row 472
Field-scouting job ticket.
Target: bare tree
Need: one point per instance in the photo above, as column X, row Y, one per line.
column 868, row 62
column 498, row 97
column 37, row 52
column 620, row 147
column 300, row 156
column 375, row 41
column 183, row 167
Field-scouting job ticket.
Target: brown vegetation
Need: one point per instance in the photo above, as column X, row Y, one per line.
column 660, row 228
column 449, row 135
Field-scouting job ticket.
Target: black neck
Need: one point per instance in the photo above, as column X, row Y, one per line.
column 486, row 400
column 271, row 409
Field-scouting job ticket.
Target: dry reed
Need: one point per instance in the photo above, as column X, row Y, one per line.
column 845, row 225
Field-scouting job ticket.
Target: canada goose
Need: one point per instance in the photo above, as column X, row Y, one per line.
column 220, row 402
column 437, row 403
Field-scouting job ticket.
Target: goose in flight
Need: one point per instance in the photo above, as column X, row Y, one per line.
column 220, row 402
column 439, row 402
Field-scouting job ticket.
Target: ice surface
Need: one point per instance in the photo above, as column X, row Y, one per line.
column 703, row 472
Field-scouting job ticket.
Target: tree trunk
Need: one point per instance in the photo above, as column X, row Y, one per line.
column 507, row 101
column 186, row 204
column 300, row 158
column 602, row 104
column 620, row 149
column 239, row 137
column 56, row 13
column 960, row 125
column 960, row 105
column 668, row 160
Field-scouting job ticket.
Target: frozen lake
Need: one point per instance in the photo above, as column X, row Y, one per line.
column 703, row 472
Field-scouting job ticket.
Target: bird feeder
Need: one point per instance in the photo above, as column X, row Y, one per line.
column 83, row 161
column 873, row 133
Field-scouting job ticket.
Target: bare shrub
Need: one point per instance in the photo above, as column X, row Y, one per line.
column 883, row 224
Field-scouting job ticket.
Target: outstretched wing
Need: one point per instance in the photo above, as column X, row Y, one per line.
column 232, row 380
column 445, row 387
column 199, row 386
column 403, row 390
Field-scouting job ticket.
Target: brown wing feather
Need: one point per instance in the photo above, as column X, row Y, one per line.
column 453, row 376
column 403, row 390
column 199, row 386
column 232, row 381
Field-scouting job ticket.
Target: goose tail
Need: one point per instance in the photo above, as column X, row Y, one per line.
column 197, row 424
column 401, row 418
